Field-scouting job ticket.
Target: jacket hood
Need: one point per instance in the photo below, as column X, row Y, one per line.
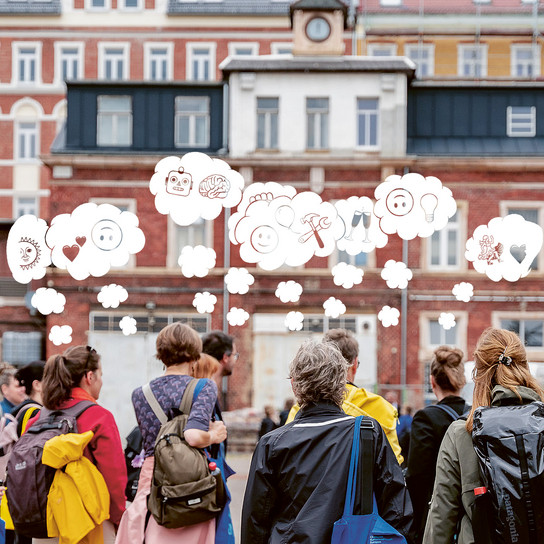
column 503, row 396
column 62, row 449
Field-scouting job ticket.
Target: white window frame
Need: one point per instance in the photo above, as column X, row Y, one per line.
column 527, row 120
column 192, row 123
column 148, row 59
column 321, row 141
column 390, row 49
column 233, row 46
column 103, row 58
column 59, row 58
column 122, row 6
column 90, row 7
column 390, row 3
column 115, row 115
column 268, row 125
column 412, row 50
column 18, row 57
column 425, row 317
column 280, row 48
column 191, row 47
column 533, row 63
column 173, row 253
column 534, row 353
column 31, row 208
column 376, row 112
column 27, row 133
column 461, row 49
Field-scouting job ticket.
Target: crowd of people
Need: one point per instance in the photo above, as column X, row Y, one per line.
column 427, row 474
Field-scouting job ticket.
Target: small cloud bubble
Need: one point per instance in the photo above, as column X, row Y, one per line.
column 389, row 316
column 112, row 295
column 463, row 291
column 446, row 320
column 60, row 334
column 294, row 321
column 334, row 307
column 128, row 325
column 47, row 301
column 347, row 275
column 396, row 274
column 204, row 302
column 237, row 316
column 196, row 261
column 289, row 291
column 238, row 280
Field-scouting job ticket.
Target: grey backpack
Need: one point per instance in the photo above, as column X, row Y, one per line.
column 183, row 490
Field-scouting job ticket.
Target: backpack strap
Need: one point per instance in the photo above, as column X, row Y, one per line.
column 449, row 410
column 366, row 468
column 190, row 394
column 154, row 404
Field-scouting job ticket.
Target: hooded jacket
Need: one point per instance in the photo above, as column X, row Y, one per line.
column 457, row 475
column 298, row 477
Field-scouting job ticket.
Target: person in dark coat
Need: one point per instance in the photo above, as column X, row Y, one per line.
column 268, row 424
column 298, row 476
column 429, row 426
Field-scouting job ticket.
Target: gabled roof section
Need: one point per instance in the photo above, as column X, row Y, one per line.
column 30, row 7
column 323, row 5
column 228, row 7
column 441, row 7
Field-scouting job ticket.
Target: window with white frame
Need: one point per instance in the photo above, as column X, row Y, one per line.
column 317, row 116
column 201, row 61
column 25, row 205
column 423, row 56
column 525, row 60
column 20, row 348
column 243, row 48
column 69, row 61
column 97, row 5
column 438, row 336
column 367, row 122
column 382, row 49
column 521, row 121
column 26, row 144
column 361, row 259
column 26, row 62
column 158, row 61
column 529, row 329
column 472, row 60
column 267, row 123
column 114, row 121
column 198, row 233
column 390, row 3
column 130, row 5
column 192, row 124
column 114, row 61
column 444, row 246
column 281, row 48
column 533, row 212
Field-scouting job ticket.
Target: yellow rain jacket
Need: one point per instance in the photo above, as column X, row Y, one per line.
column 360, row 402
column 78, row 501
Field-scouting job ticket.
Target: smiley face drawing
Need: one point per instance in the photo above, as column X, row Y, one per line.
column 179, row 182
column 399, row 202
column 29, row 253
column 264, row 239
column 107, row 235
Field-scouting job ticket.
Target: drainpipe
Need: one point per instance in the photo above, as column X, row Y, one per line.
column 404, row 319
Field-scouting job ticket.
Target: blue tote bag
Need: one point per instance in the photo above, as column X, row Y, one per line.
column 366, row 528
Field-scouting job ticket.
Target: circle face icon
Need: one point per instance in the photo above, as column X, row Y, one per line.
column 399, row 202
column 318, row 29
column 107, row 235
column 28, row 253
column 264, row 239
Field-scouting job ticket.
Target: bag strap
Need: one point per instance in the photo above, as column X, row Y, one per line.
column 367, row 467
column 449, row 410
column 348, row 503
column 193, row 389
column 154, row 403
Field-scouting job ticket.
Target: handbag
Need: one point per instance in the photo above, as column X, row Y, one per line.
column 366, row 528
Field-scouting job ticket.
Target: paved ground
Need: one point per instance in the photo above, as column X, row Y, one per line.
column 237, row 485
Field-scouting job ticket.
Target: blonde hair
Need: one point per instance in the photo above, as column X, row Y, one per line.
column 447, row 369
column 489, row 371
column 205, row 367
column 318, row 373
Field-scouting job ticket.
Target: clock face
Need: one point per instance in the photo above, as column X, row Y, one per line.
column 318, row 29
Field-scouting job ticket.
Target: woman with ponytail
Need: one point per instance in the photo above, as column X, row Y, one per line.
column 501, row 378
column 68, row 379
column 429, row 426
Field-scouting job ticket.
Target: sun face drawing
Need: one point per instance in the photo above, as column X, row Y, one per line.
column 29, row 253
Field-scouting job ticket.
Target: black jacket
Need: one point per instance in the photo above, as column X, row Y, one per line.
column 298, row 477
column 428, row 429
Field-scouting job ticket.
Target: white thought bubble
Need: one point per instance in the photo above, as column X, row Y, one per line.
column 112, row 295
column 294, row 321
column 396, row 274
column 237, row 316
column 60, row 334
column 347, row 275
column 389, row 316
column 289, row 291
column 128, row 325
column 463, row 291
column 204, row 302
column 47, row 301
column 196, row 261
column 446, row 320
column 238, row 280
column 334, row 307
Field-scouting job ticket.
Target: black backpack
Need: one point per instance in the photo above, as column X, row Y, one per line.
column 28, row 479
column 509, row 444
column 132, row 450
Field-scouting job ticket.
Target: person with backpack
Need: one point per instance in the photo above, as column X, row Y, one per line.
column 13, row 393
column 495, row 457
column 178, row 348
column 70, row 379
column 30, row 377
column 429, row 426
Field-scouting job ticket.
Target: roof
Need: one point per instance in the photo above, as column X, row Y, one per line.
column 441, row 7
column 474, row 146
column 228, row 7
column 319, row 5
column 284, row 63
column 30, row 7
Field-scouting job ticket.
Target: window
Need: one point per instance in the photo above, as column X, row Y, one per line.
column 197, row 234
column 317, row 114
column 472, row 61
column 201, row 61
column 367, row 122
column 158, row 61
column 130, row 5
column 146, row 323
column 390, row 3
column 444, row 246
column 244, row 48
column 26, row 140
column 114, row 121
column 533, row 214
column 281, row 48
column 525, row 61
column 423, row 56
column 26, row 62
column 267, row 123
column 382, row 49
column 20, row 348
column 521, row 121
column 69, row 61
column 192, row 121
column 438, row 336
column 25, row 205
column 529, row 330
column 97, row 5
column 114, row 63
column 361, row 259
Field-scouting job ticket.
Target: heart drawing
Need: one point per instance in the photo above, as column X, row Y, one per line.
column 80, row 240
column 518, row 252
column 71, row 252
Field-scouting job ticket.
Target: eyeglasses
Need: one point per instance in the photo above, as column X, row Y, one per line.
column 91, row 352
column 235, row 355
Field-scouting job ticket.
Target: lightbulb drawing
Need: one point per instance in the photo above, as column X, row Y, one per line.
column 429, row 202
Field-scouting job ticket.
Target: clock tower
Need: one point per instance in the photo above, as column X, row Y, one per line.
column 318, row 27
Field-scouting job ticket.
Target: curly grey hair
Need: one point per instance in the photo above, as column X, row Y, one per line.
column 318, row 373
